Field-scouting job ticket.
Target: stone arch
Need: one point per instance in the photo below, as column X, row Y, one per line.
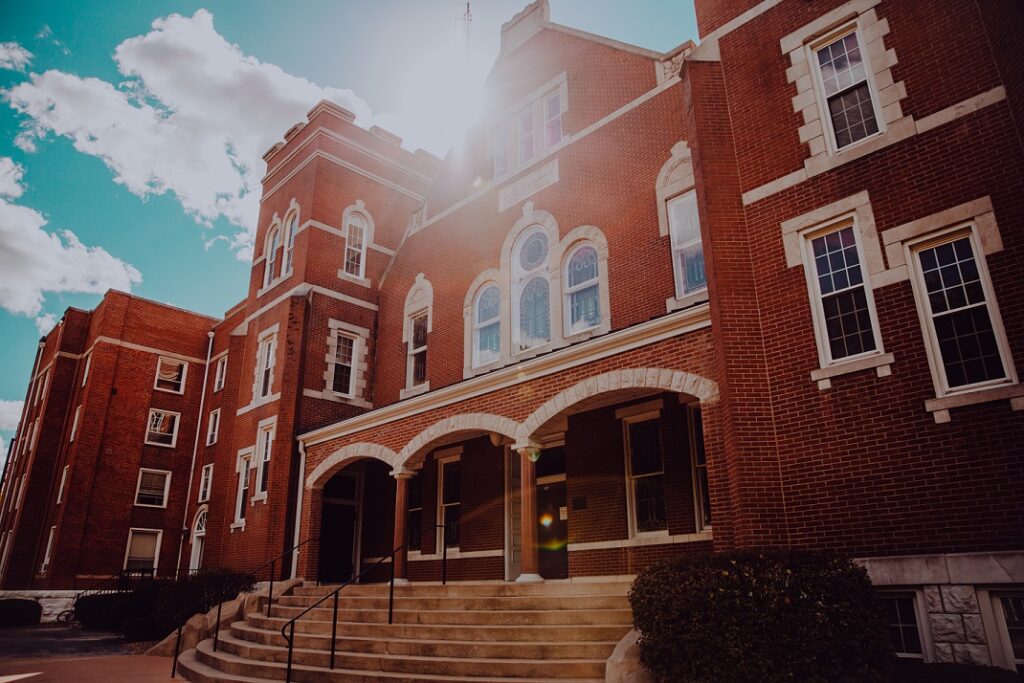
column 466, row 422
column 663, row 379
column 348, row 454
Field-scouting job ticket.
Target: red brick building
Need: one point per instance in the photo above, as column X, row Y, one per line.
column 763, row 291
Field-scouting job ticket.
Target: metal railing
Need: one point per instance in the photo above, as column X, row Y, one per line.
column 234, row 588
column 124, row 581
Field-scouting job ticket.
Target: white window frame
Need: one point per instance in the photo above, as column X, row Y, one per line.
column 361, row 250
column 819, row 86
column 266, row 361
column 243, row 468
column 205, row 483
column 291, row 226
column 643, row 412
column 815, row 296
column 63, row 482
column 353, row 363
column 921, row 615
column 49, row 547
column 477, row 325
column 74, row 423
column 265, row 436
column 156, row 553
column 270, row 248
column 524, row 115
column 520, row 278
column 418, row 301
column 167, row 488
column 701, row 524
column 442, row 461
column 213, row 427
column 184, row 375
column 412, row 350
column 937, row 367
column 220, row 374
column 85, row 372
column 568, row 290
column 678, row 272
column 994, row 614
column 547, row 118
column 174, row 434
column 508, row 133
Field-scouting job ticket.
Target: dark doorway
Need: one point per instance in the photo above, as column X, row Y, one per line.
column 339, row 528
column 552, row 515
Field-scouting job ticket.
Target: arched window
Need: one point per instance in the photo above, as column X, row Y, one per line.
column 582, row 290
column 531, row 307
column 355, row 244
column 291, row 225
column 198, row 540
column 487, row 326
column 273, row 242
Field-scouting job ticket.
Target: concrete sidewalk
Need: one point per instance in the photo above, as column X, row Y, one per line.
column 108, row 669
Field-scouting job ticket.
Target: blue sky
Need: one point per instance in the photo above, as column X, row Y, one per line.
column 130, row 137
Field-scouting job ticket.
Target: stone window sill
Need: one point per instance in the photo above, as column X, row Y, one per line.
column 414, row 391
column 940, row 407
column 361, row 281
column 881, row 363
column 677, row 303
column 237, row 526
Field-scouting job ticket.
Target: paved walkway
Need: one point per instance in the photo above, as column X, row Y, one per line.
column 110, row 669
column 46, row 640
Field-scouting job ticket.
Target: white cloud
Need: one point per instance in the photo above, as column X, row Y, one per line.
column 14, row 57
column 45, row 323
column 10, row 413
column 34, row 261
column 193, row 118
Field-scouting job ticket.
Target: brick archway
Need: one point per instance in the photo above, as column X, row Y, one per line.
column 468, row 422
column 663, row 379
column 343, row 456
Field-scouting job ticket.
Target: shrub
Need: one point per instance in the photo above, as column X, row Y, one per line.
column 916, row 672
column 17, row 612
column 760, row 616
column 198, row 593
column 89, row 609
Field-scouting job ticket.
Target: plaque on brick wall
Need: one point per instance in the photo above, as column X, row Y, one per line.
column 545, row 176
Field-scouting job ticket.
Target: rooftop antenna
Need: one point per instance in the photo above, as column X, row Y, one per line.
column 467, row 20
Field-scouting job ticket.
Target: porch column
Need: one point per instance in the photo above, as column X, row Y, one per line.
column 401, row 513
column 530, row 565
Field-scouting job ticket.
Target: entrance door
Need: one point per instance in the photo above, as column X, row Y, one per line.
column 552, row 514
column 339, row 529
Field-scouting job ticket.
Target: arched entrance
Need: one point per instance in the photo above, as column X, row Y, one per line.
column 198, row 541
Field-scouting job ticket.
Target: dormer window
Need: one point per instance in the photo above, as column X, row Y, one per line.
column 533, row 129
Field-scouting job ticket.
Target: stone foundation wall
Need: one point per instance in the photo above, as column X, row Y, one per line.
column 53, row 602
column 957, row 629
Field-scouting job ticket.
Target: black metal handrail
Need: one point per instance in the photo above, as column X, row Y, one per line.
column 233, row 587
column 290, row 626
column 122, row 582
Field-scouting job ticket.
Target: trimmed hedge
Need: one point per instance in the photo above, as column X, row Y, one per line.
column 760, row 616
column 19, row 612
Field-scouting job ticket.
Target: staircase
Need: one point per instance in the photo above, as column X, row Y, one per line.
column 556, row 631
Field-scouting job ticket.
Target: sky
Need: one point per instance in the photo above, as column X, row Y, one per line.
column 131, row 133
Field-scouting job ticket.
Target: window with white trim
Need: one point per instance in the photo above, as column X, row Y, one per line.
column 699, row 463
column 291, row 225
column 487, row 325
column 845, row 321
column 21, row 493
column 343, row 377
column 170, row 375
column 242, row 489
column 687, row 248
column 85, row 371
column 213, row 427
column 162, row 428
column 355, row 244
column 582, row 290
column 63, row 483
column 151, row 490
column 416, row 370
column 74, row 423
column 49, row 547
column 531, row 295
column 266, row 353
column 220, row 374
column 270, row 263
column 645, row 472
column 143, row 549
column 901, row 617
column 552, row 119
column 1011, row 612
column 968, row 347
column 449, row 500
column 842, row 75
column 534, row 128
column 205, row 483
column 526, row 137
column 264, row 446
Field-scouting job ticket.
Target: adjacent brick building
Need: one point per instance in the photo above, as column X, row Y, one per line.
column 763, row 291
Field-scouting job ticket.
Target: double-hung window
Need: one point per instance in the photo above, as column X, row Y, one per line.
column 487, row 326
column 213, row 427
column 901, row 617
column 143, row 549
column 582, row 290
column 645, row 471
column 967, row 345
column 266, row 359
column 449, row 500
column 687, row 249
column 552, row 119
column 74, row 423
column 221, row 373
column 344, row 362
column 170, row 375
column 162, row 429
column 242, row 492
column 152, row 488
column 85, row 372
column 843, row 76
column 291, row 226
column 273, row 243
column 49, row 548
column 205, row 483
column 844, row 318
column 355, row 244
column 417, row 350
column 264, row 445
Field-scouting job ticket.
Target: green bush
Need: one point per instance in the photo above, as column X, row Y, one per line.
column 17, row 612
column 198, row 593
column 760, row 616
column 909, row 671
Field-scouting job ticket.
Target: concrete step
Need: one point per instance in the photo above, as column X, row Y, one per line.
column 468, row 648
column 515, row 602
column 464, row 617
column 406, row 664
column 487, row 633
column 202, row 665
column 474, row 588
